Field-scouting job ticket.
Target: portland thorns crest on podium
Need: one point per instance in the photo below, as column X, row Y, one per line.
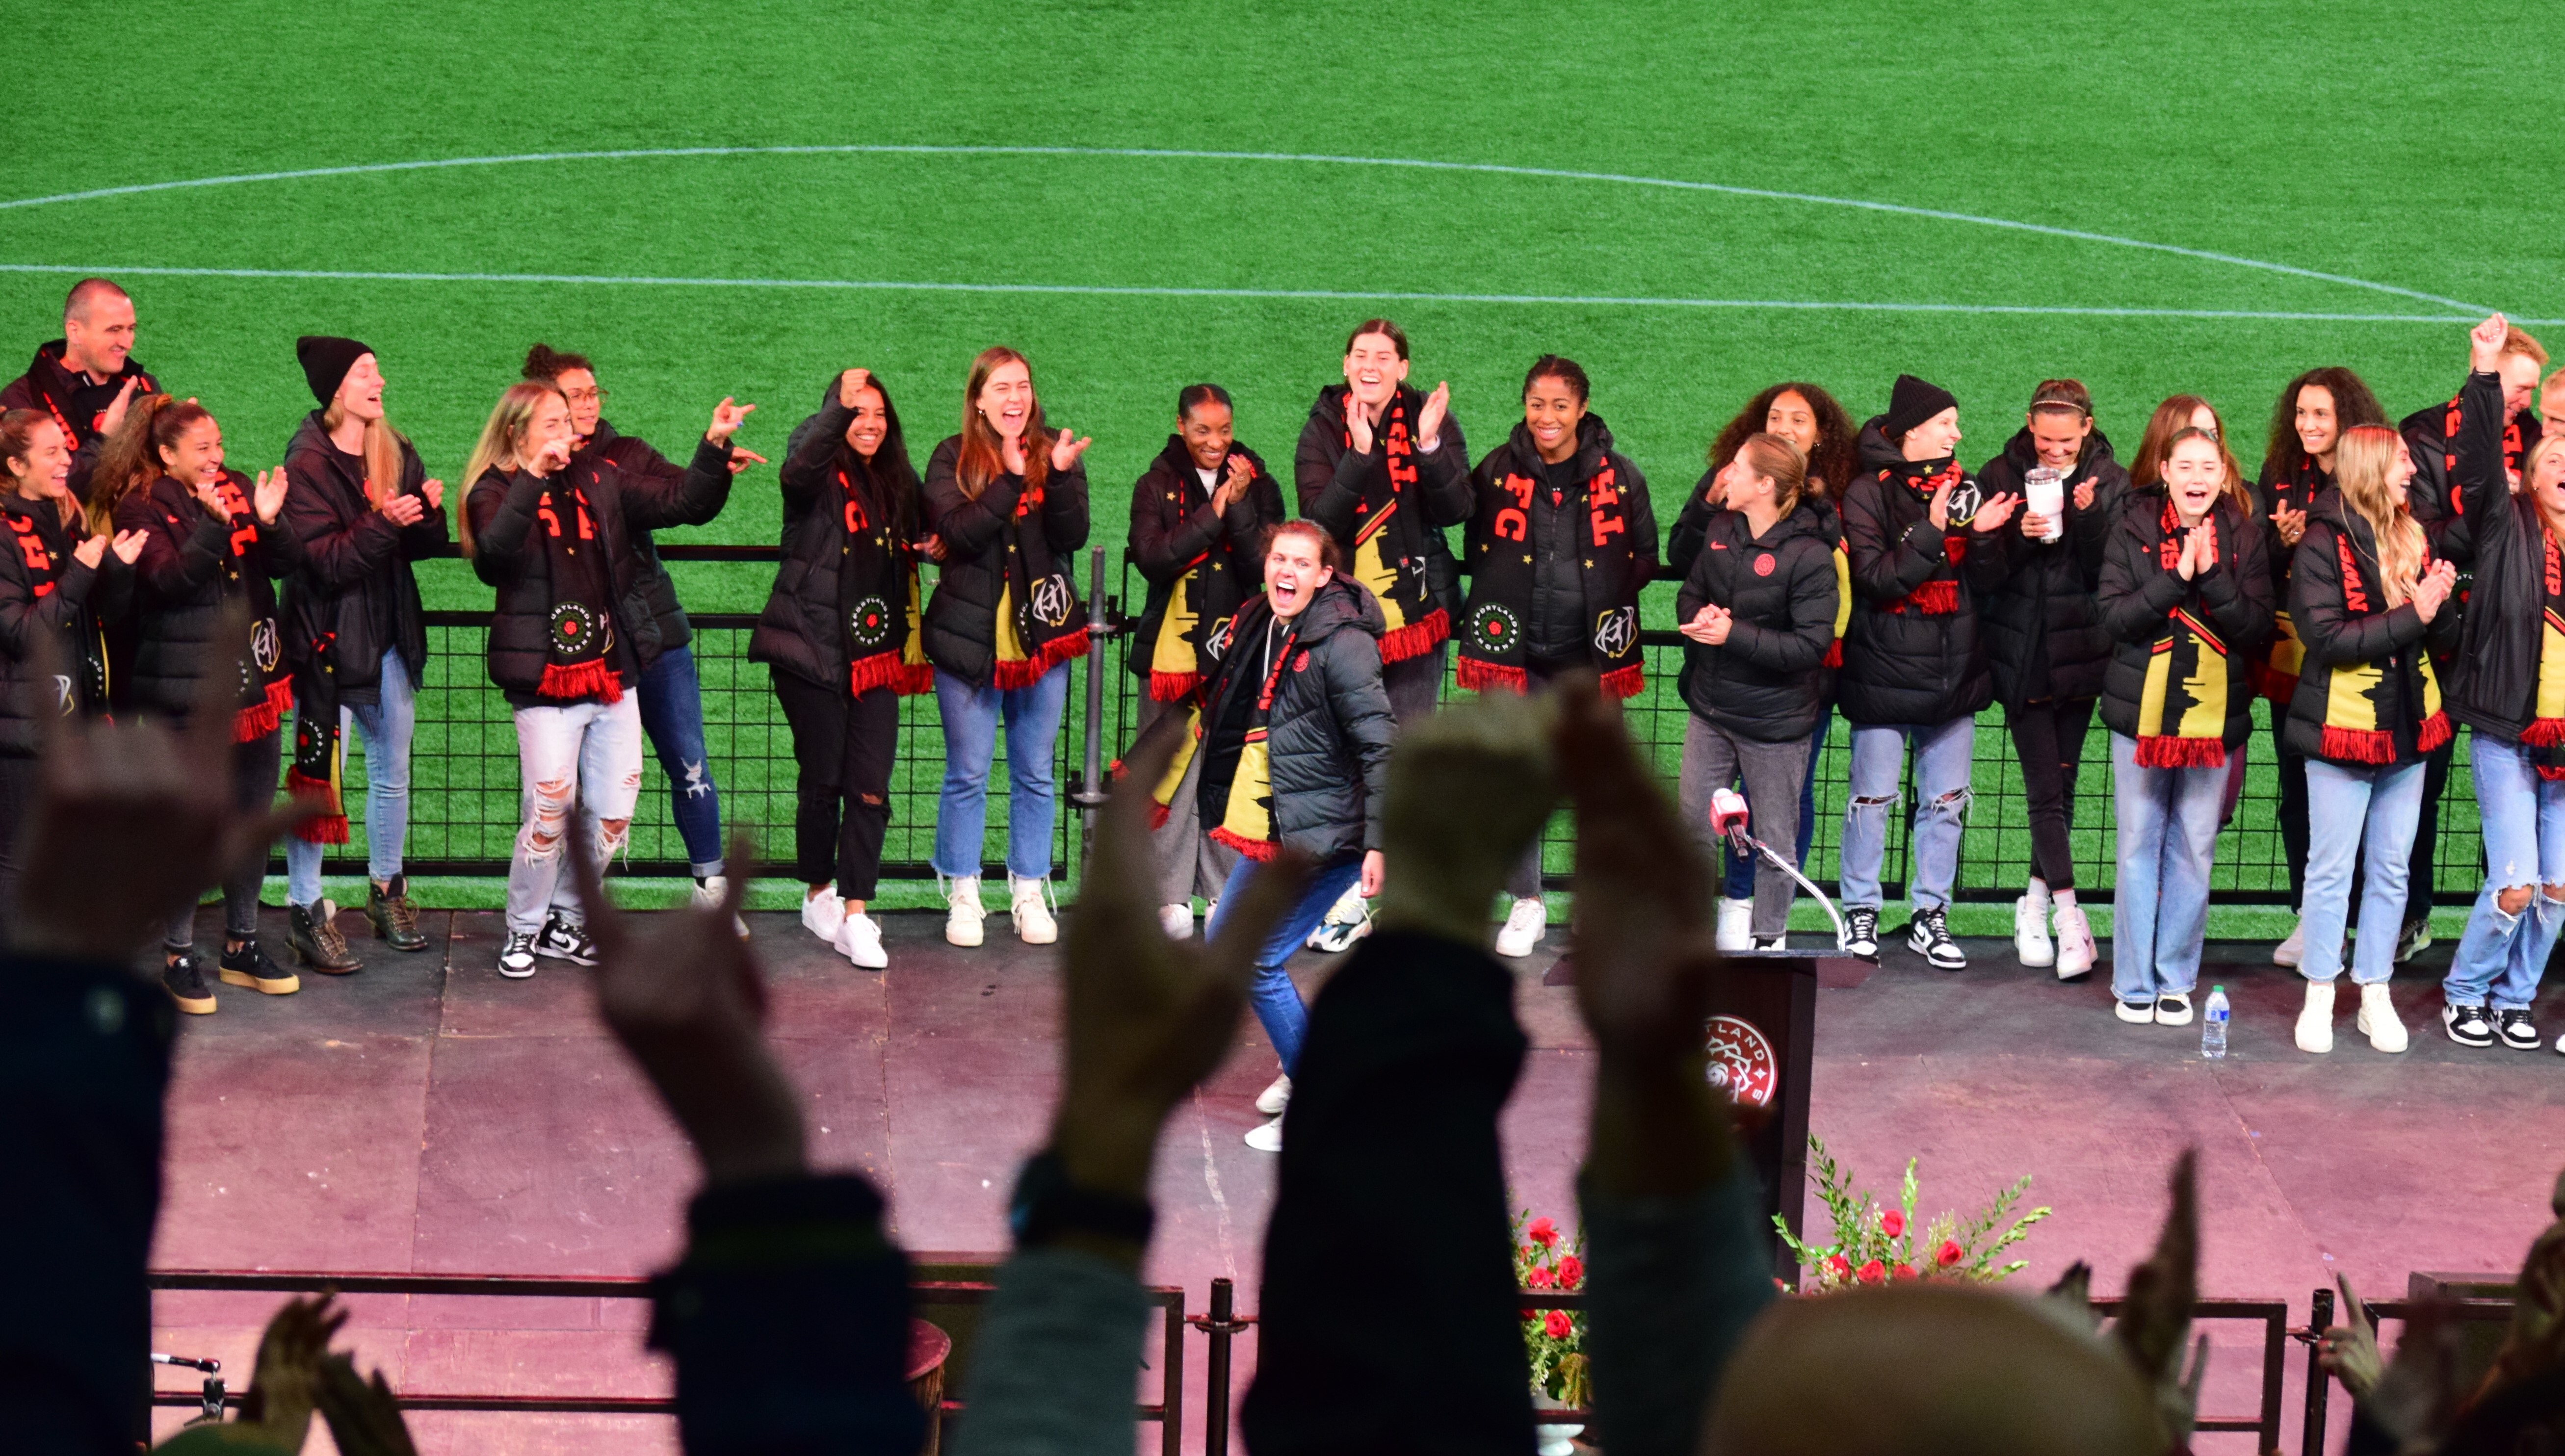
column 1742, row 1063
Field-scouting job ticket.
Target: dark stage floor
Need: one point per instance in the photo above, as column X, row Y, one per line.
column 426, row 1115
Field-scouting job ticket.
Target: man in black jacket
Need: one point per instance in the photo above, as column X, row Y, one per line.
column 86, row 377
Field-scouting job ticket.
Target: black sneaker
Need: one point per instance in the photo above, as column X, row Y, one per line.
column 2517, row 1030
column 517, row 957
column 565, row 939
column 1861, row 933
column 2467, row 1025
column 183, row 976
column 249, row 966
column 1771, row 942
column 2415, row 939
column 1928, row 935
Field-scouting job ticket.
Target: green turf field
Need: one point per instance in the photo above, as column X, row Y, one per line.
column 752, row 196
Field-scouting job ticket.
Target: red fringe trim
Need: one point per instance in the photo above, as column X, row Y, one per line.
column 258, row 720
column 1625, row 682
column 2358, row 745
column 2544, row 732
column 2162, row 751
column 1066, row 648
column 1834, row 654
column 568, row 682
column 2551, row 774
column 916, row 677
column 1417, row 637
column 329, row 829
column 2435, row 731
column 1256, row 850
column 1480, row 675
column 1159, row 814
column 1173, row 687
column 1932, row 598
column 881, row 669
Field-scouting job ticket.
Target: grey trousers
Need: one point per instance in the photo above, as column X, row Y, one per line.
column 1190, row 862
column 1712, row 758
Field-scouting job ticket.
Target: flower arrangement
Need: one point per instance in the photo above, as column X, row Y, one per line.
column 1875, row 1245
column 1546, row 1260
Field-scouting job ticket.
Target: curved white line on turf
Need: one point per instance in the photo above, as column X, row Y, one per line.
column 1189, row 153
column 1135, row 291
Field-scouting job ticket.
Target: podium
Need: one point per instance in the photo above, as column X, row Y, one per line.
column 1762, row 1036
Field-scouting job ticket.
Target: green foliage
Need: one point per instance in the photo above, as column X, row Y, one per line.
column 1875, row 1245
column 1546, row 1261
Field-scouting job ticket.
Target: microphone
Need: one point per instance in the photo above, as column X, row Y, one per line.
column 1727, row 817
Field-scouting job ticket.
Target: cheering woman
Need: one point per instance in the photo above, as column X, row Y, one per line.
column 1199, row 515
column 839, row 637
column 211, row 538
column 1007, row 497
column 1561, row 542
column 571, row 633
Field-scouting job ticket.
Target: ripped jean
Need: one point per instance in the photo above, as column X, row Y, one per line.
column 672, row 713
column 2501, row 955
column 583, row 755
column 1943, row 754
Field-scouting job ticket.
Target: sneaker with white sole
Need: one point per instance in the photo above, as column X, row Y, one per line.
column 2031, row 942
column 2378, row 1019
column 964, row 921
column 2314, row 1032
column 2415, row 939
column 2135, row 1013
column 2076, row 951
column 860, row 941
column 1771, row 942
column 1177, row 922
column 1275, row 1097
column 823, row 914
column 1735, row 925
column 1348, row 920
column 1861, row 931
column 2172, row 1009
column 517, row 956
column 2294, row 949
column 1266, row 1137
column 1523, row 924
column 709, row 893
column 565, row 939
column 1928, row 935
column 1026, row 907
column 2468, row 1025
column 2515, row 1028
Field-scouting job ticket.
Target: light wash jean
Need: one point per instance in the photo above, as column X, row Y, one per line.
column 2502, row 956
column 1943, row 754
column 579, row 756
column 2160, row 909
column 385, row 726
column 2346, row 806
column 1277, row 1001
column 970, row 717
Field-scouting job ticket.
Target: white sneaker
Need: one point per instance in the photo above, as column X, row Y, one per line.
column 1735, row 925
column 2378, row 1019
column 1275, row 1097
column 1348, row 920
column 1266, row 1137
column 1210, row 908
column 1177, row 922
column 859, row 941
column 708, row 897
column 2293, row 950
column 2075, row 950
column 2031, row 942
column 823, row 914
column 2315, row 1022
column 963, row 918
column 1523, row 924
column 1033, row 924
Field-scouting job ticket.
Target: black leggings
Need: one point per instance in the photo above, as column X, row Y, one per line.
column 254, row 765
column 2048, row 739
column 843, row 747
column 17, row 805
column 2294, row 805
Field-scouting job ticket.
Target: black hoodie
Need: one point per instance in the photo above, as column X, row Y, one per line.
column 2045, row 634
column 76, row 402
column 1912, row 654
column 1765, row 681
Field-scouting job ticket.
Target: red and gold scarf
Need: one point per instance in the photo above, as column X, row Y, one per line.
column 1389, row 541
column 2182, row 710
column 2353, row 727
column 1940, row 595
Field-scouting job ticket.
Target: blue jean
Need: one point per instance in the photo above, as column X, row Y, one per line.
column 385, row 726
column 1741, row 869
column 1277, row 1001
column 581, row 764
column 970, row 717
column 2160, row 909
column 2346, row 807
column 1942, row 752
column 2503, row 955
column 672, row 713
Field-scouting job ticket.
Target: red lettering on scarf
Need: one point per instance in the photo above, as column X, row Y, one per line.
column 579, row 507
column 244, row 523
column 31, row 551
column 2354, row 599
column 1602, row 493
column 855, row 520
column 1511, row 524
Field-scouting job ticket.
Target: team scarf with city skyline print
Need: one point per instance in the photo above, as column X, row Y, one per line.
column 2276, row 675
column 267, row 686
column 2355, row 730
column 1389, row 532
column 2182, row 709
column 1240, row 782
column 2546, row 730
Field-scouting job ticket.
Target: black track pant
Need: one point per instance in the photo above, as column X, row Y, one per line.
column 2048, row 739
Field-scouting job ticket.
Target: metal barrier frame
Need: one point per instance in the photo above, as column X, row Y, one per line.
column 2320, row 1318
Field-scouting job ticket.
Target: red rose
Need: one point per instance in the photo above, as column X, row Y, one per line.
column 1555, row 1323
column 1872, row 1272
column 1538, row 1278
column 1543, row 1232
column 1892, row 1223
column 1902, row 1271
column 1571, row 1270
column 1949, row 1254
column 1838, row 1266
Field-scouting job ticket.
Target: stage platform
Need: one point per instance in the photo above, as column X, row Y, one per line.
column 424, row 1115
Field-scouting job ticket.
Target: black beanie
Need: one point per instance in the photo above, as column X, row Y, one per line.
column 1911, row 403
column 326, row 362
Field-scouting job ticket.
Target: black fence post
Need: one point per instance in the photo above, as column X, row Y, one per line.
column 2319, row 1385
column 1089, row 795
column 1222, row 1324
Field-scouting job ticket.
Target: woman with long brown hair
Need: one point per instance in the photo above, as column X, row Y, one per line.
column 1008, row 498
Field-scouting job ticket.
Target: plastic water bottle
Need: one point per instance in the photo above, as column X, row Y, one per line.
column 2213, row 1024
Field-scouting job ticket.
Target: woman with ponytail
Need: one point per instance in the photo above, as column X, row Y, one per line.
column 213, row 539
column 2187, row 597
column 839, row 637
column 57, row 579
column 571, row 637
column 2371, row 606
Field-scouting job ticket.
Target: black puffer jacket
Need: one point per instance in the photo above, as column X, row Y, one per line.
column 962, row 618
column 1173, row 527
column 182, row 579
column 2432, row 438
column 2347, row 633
column 1902, row 665
column 1560, row 625
column 1765, row 681
column 801, row 630
column 2493, row 683
column 1330, row 732
column 78, row 600
column 352, row 585
column 1327, row 478
column 507, row 553
column 2137, row 596
column 634, row 455
column 2045, row 636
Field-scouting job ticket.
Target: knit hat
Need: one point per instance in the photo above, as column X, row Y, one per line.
column 326, row 360
column 1912, row 402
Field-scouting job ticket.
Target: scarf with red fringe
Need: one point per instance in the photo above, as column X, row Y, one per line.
column 1389, row 533
column 2355, row 729
column 318, row 753
column 1204, row 596
column 1501, row 583
column 2182, row 709
column 2546, row 728
column 43, row 567
column 1039, row 621
column 267, row 687
column 578, row 661
column 1238, row 779
column 878, row 600
column 2276, row 675
column 1939, row 596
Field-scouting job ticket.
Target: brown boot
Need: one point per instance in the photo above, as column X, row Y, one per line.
column 394, row 914
column 313, row 931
